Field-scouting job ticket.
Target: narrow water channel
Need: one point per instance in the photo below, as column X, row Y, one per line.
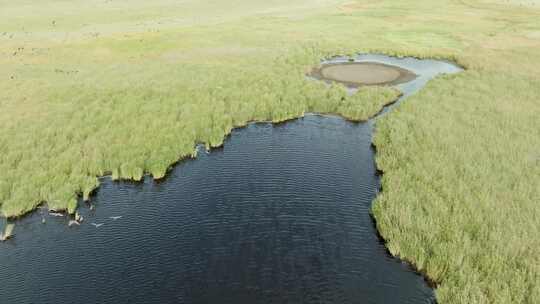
column 280, row 214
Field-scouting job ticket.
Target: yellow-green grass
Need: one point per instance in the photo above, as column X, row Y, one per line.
column 128, row 87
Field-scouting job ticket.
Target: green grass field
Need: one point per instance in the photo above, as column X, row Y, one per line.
column 127, row 87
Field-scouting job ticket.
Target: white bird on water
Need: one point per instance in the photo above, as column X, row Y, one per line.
column 114, row 218
column 97, row 225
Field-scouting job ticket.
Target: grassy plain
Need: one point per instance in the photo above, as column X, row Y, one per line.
column 128, row 87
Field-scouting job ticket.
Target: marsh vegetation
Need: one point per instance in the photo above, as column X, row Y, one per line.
column 92, row 91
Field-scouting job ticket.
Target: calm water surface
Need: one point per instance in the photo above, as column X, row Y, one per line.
column 280, row 214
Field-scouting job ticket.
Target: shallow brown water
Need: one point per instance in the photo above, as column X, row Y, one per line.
column 354, row 74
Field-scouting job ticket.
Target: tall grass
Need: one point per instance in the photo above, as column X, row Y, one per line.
column 463, row 188
column 89, row 92
column 130, row 130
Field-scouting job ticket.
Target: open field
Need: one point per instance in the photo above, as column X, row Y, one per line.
column 128, row 87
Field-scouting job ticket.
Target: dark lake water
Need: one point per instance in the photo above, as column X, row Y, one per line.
column 280, row 214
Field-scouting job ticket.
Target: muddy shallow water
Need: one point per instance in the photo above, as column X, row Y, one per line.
column 355, row 74
column 280, row 214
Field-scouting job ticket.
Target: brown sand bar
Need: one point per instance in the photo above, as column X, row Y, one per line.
column 355, row 74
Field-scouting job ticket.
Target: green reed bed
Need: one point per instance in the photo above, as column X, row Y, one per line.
column 128, row 88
